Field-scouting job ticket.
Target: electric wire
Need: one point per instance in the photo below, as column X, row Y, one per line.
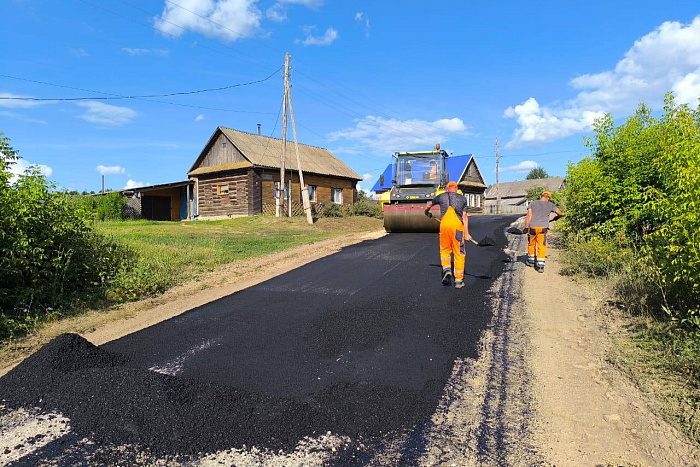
column 112, row 96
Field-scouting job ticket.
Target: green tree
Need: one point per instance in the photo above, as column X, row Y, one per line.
column 536, row 173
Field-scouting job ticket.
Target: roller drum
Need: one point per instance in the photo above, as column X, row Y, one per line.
column 410, row 218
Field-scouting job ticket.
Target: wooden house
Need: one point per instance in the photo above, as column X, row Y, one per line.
column 513, row 195
column 238, row 174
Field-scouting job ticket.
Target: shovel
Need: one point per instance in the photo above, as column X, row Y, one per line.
column 516, row 231
column 483, row 243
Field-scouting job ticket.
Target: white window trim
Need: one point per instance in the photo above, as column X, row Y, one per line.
column 333, row 191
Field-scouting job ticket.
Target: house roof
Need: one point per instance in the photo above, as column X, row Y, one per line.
column 162, row 186
column 264, row 151
column 519, row 189
column 456, row 166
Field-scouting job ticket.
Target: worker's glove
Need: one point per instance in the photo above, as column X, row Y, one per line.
column 428, row 213
column 468, row 237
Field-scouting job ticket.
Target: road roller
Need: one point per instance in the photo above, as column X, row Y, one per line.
column 417, row 177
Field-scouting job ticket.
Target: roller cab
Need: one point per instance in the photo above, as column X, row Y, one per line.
column 417, row 178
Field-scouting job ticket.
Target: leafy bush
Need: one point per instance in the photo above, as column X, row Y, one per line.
column 332, row 210
column 368, row 210
column 642, row 183
column 49, row 256
column 107, row 207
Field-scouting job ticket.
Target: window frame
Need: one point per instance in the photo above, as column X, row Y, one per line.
column 220, row 191
column 333, row 192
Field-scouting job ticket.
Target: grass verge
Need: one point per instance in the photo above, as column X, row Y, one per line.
column 664, row 360
column 171, row 253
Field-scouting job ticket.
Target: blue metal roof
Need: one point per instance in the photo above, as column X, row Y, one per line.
column 454, row 165
column 387, row 180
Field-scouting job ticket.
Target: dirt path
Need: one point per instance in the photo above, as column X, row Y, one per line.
column 590, row 413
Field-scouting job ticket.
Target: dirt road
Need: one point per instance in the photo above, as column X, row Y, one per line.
column 538, row 391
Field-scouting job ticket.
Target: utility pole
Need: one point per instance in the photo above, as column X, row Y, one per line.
column 279, row 208
column 498, row 192
column 304, row 189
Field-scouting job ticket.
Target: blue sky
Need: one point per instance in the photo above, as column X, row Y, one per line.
column 369, row 78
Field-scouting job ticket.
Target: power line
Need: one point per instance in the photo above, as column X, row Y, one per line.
column 118, row 96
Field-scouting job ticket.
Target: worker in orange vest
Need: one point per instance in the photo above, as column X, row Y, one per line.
column 454, row 230
column 537, row 227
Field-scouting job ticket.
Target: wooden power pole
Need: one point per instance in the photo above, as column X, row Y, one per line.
column 304, row 189
column 498, row 192
column 279, row 207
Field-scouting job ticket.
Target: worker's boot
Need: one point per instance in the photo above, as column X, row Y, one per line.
column 540, row 265
column 446, row 277
column 459, row 284
column 530, row 260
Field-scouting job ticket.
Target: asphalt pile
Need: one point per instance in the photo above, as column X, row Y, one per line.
column 112, row 402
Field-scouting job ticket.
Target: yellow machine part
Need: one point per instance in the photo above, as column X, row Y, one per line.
column 408, row 217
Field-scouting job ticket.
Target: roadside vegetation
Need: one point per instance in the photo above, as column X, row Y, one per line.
column 64, row 253
column 633, row 219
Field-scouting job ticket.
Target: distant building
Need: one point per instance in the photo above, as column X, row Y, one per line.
column 461, row 169
column 514, row 194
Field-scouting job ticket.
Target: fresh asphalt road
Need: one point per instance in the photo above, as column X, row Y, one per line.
column 366, row 331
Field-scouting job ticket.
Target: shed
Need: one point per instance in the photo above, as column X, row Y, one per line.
column 238, row 174
column 164, row 202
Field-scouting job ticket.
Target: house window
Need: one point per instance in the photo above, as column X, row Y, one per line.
column 277, row 189
column 312, row 193
column 223, row 145
column 337, row 195
column 221, row 190
column 478, row 201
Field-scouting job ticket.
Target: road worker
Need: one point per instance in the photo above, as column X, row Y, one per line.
column 454, row 231
column 433, row 170
column 537, row 227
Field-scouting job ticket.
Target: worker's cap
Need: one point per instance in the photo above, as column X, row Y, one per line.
column 547, row 194
column 452, row 185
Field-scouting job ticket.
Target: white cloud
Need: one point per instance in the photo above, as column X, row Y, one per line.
column 137, row 52
column 21, row 165
column 134, row 184
column 235, row 19
column 307, row 3
column 362, row 19
column 386, row 136
column 106, row 114
column 523, row 167
column 20, row 117
column 79, row 52
column 276, row 13
column 366, row 183
column 7, row 99
column 110, row 170
column 541, row 125
column 327, row 39
column 666, row 59
column 199, row 118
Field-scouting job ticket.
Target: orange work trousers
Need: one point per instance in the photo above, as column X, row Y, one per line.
column 537, row 245
column 452, row 243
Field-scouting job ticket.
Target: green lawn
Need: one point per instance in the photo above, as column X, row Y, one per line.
column 168, row 253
